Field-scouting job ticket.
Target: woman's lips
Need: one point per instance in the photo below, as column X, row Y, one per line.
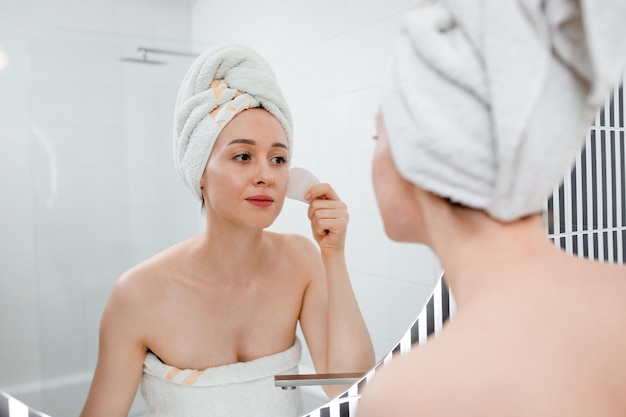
column 260, row 200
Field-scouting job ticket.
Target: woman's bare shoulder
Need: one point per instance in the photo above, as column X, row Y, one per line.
column 292, row 244
column 595, row 276
column 417, row 383
column 299, row 255
column 150, row 276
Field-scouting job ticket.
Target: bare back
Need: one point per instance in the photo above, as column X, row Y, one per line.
column 537, row 345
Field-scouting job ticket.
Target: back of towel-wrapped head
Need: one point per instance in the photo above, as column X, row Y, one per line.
column 222, row 82
column 488, row 101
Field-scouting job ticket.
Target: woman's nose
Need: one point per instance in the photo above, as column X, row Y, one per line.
column 264, row 176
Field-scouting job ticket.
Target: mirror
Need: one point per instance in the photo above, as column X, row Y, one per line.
column 88, row 187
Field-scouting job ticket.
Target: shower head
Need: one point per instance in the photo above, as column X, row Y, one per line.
column 142, row 61
column 143, row 51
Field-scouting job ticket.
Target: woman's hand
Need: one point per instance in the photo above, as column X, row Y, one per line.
column 329, row 218
column 330, row 317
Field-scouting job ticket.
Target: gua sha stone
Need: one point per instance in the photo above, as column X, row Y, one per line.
column 300, row 180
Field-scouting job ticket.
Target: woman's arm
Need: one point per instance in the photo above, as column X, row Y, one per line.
column 120, row 358
column 331, row 320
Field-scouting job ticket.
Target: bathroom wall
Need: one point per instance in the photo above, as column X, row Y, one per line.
column 87, row 183
column 329, row 57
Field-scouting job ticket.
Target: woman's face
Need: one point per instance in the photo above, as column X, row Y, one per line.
column 245, row 179
column 394, row 194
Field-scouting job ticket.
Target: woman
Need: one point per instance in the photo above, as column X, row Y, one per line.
column 478, row 122
column 207, row 323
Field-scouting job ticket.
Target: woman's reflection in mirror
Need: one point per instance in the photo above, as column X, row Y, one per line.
column 206, row 324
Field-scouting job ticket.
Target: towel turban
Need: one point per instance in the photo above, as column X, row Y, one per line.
column 488, row 101
column 222, row 82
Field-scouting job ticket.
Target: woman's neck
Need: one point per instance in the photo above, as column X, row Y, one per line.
column 478, row 252
column 229, row 251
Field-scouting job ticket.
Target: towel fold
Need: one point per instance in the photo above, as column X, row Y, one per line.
column 241, row 389
column 222, row 82
column 488, row 101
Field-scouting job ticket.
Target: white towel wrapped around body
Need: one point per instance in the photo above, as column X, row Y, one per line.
column 241, row 389
column 222, row 82
column 488, row 101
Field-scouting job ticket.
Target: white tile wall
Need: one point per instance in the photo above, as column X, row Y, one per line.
column 13, row 15
column 329, row 57
column 18, row 277
column 25, row 364
column 13, row 102
column 85, row 171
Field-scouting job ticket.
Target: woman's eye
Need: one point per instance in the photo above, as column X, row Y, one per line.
column 242, row 157
column 279, row 160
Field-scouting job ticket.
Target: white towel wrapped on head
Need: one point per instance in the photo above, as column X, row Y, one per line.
column 222, row 82
column 488, row 101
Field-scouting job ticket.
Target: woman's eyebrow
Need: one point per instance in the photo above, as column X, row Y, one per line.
column 252, row 142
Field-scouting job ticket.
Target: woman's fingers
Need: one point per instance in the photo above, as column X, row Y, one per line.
column 321, row 191
column 329, row 217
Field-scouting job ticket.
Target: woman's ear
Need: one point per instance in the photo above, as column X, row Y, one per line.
column 203, row 188
column 202, row 179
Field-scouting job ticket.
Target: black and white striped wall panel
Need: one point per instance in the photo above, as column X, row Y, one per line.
column 11, row 407
column 586, row 215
